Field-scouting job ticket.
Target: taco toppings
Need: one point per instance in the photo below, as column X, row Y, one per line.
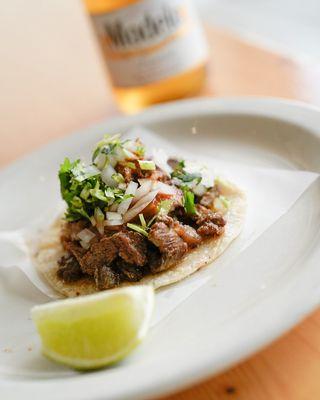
column 130, row 215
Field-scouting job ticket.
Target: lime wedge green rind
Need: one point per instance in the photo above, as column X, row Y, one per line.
column 93, row 331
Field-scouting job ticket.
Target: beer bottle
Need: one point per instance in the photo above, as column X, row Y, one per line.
column 155, row 49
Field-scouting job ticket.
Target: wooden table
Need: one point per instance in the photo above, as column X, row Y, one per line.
column 289, row 368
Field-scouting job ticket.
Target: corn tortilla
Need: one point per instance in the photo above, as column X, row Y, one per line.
column 50, row 250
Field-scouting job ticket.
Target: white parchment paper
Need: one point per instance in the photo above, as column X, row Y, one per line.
column 270, row 194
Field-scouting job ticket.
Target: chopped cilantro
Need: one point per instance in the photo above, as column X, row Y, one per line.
column 180, row 165
column 138, row 229
column 140, row 151
column 142, row 220
column 152, row 221
column 88, row 196
column 130, row 165
column 107, row 146
column 188, row 182
column 118, row 178
column 98, row 214
column 147, row 165
column 185, row 177
column 164, row 207
column 83, row 190
column 189, row 201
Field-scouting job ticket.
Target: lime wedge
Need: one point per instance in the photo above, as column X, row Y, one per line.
column 93, row 331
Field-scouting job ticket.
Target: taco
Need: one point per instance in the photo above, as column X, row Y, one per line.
column 136, row 219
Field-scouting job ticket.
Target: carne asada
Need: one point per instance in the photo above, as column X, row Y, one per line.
column 128, row 219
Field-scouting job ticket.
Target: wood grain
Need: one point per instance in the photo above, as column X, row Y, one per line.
column 289, row 368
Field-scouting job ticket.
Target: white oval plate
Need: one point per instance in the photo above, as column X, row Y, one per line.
column 217, row 326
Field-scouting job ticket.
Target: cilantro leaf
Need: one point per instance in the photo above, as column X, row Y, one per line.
column 180, row 173
column 138, row 228
column 84, row 191
column 189, row 205
column 164, row 207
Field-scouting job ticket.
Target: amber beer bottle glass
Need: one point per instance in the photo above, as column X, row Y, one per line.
column 155, row 49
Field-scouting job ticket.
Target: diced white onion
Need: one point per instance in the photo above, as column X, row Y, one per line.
column 122, row 154
column 113, row 216
column 132, row 187
column 125, row 204
column 147, row 165
column 207, row 179
column 116, row 222
column 165, row 188
column 139, row 206
column 161, row 160
column 129, row 154
column 106, row 176
column 101, row 160
column 130, row 145
column 85, row 245
column 91, row 170
column 119, row 154
column 176, row 182
column 85, row 237
column 199, row 190
column 192, row 184
column 193, row 167
column 147, row 198
column 133, row 212
column 145, row 188
column 112, row 160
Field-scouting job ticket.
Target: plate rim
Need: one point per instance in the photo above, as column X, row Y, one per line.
column 273, row 107
column 266, row 107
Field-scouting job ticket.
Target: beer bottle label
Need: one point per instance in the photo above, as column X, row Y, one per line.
column 151, row 40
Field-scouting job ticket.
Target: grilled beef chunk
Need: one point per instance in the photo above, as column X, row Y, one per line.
column 209, row 223
column 154, row 258
column 136, row 173
column 210, row 229
column 128, row 256
column 71, row 229
column 205, row 215
column 101, row 253
column 129, row 272
column 187, row 233
column 159, row 175
column 75, row 249
column 173, row 162
column 129, row 173
column 207, row 199
column 106, row 278
column 166, row 219
column 184, row 218
column 125, row 171
column 170, row 244
column 69, row 269
column 131, row 247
